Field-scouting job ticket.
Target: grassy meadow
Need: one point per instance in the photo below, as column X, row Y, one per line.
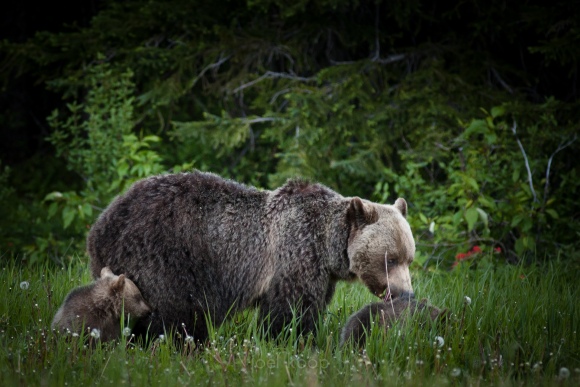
column 520, row 328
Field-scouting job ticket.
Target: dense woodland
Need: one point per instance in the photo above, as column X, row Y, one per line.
column 468, row 109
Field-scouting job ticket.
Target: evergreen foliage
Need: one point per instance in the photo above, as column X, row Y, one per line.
column 467, row 109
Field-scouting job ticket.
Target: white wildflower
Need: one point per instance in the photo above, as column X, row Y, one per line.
column 467, row 300
column 455, row 372
column 188, row 339
column 24, row 285
column 564, row 373
column 126, row 331
column 96, row 333
column 432, row 228
column 161, row 337
column 439, row 341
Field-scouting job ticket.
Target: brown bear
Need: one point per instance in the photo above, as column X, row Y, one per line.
column 200, row 246
column 384, row 314
column 100, row 306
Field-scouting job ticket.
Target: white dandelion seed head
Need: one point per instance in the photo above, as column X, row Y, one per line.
column 75, row 334
column 439, row 341
column 126, row 331
column 96, row 333
column 455, row 372
column 188, row 339
column 24, row 285
column 564, row 373
column 161, row 337
column 467, row 300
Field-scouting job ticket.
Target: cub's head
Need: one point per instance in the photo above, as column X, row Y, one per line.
column 381, row 246
column 126, row 292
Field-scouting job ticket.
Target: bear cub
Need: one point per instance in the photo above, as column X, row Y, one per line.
column 385, row 313
column 99, row 306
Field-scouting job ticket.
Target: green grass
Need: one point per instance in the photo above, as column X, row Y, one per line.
column 521, row 327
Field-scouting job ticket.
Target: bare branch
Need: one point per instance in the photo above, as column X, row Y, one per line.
column 390, row 59
column 209, row 67
column 377, row 55
column 377, row 43
column 562, row 146
column 514, row 127
column 501, row 81
column 259, row 120
column 277, row 94
column 337, row 63
column 271, row 74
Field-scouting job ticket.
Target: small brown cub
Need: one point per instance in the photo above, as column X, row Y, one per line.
column 385, row 314
column 99, row 306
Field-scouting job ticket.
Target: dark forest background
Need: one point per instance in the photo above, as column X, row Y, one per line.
column 468, row 109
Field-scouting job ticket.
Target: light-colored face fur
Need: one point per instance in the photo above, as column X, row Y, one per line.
column 378, row 229
column 129, row 294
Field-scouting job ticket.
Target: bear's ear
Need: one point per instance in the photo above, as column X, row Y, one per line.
column 118, row 284
column 106, row 272
column 360, row 216
column 401, row 205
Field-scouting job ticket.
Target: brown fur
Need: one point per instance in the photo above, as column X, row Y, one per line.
column 199, row 245
column 384, row 314
column 99, row 306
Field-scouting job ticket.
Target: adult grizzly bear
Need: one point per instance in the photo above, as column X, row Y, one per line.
column 199, row 245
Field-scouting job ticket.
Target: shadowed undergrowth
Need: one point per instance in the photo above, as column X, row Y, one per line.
column 520, row 327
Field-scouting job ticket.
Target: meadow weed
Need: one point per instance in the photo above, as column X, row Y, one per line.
column 508, row 325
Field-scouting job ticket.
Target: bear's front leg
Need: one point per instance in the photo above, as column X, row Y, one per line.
column 293, row 296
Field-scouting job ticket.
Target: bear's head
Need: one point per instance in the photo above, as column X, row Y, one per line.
column 381, row 246
column 126, row 293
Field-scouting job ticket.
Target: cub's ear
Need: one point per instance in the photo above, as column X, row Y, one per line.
column 401, row 205
column 106, row 272
column 118, row 284
column 360, row 216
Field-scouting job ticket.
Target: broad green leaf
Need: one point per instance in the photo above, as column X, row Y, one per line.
column 54, row 196
column 471, row 217
column 497, row 111
column 87, row 209
column 516, row 175
column 472, row 182
column 52, row 209
column 491, row 138
column 476, row 127
column 516, row 220
column 489, row 122
column 483, row 216
column 68, row 215
column 457, row 217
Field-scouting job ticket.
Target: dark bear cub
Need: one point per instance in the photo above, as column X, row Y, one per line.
column 99, row 306
column 385, row 313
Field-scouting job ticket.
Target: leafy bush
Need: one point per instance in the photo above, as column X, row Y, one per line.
column 96, row 138
column 489, row 189
column 379, row 100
